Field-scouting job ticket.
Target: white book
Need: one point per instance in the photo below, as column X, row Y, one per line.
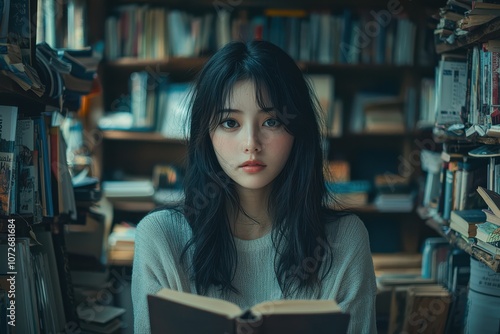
column 451, row 90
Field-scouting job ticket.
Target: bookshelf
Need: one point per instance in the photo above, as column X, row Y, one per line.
column 462, row 45
column 40, row 202
column 453, row 187
column 136, row 153
column 40, row 260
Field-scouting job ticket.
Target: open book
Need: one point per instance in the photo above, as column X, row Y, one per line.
column 179, row 312
column 491, row 198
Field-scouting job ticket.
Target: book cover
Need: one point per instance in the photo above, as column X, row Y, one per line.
column 180, row 312
column 451, row 90
column 26, row 169
column 466, row 218
column 433, row 298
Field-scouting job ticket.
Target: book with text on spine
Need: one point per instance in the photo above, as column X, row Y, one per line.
column 176, row 312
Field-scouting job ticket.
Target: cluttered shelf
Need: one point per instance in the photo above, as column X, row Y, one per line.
column 487, row 31
column 443, row 230
column 491, row 137
column 11, row 92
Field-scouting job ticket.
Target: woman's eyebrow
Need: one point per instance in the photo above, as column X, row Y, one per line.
column 229, row 110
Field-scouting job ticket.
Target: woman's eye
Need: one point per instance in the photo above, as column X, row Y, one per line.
column 272, row 122
column 229, row 123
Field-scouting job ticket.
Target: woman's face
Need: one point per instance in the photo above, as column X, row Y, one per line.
column 251, row 144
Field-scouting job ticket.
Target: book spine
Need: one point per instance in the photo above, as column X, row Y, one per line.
column 448, row 193
column 251, row 324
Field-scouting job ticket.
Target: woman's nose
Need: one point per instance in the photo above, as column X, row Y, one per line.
column 252, row 141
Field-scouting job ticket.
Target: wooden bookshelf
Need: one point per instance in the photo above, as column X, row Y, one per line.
column 483, row 33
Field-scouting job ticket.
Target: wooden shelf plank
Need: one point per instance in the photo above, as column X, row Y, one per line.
column 195, row 64
column 139, row 136
column 134, row 206
column 203, row 4
column 11, row 92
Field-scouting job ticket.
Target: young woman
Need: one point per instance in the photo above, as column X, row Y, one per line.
column 254, row 224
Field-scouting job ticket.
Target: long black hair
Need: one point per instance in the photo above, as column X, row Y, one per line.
column 297, row 199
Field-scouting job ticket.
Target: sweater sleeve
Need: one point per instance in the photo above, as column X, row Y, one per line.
column 156, row 264
column 357, row 291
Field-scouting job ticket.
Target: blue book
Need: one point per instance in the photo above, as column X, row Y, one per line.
column 45, row 175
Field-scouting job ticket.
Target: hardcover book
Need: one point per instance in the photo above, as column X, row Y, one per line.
column 491, row 198
column 466, row 220
column 491, row 217
column 180, row 312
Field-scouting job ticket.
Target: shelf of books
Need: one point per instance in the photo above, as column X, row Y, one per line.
column 468, row 245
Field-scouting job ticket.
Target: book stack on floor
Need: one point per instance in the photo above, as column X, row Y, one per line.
column 440, row 281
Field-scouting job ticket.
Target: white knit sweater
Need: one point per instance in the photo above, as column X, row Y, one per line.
column 161, row 236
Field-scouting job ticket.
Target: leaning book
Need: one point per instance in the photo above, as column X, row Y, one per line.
column 177, row 312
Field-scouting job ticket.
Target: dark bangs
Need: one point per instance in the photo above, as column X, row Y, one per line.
column 248, row 62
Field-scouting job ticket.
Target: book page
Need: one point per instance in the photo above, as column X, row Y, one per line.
column 213, row 305
column 296, row 307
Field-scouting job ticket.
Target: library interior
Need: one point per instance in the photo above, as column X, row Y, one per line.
column 94, row 107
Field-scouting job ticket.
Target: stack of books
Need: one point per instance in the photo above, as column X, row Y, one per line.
column 480, row 227
column 488, row 233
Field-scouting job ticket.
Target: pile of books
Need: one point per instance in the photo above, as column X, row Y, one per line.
column 459, row 17
column 480, row 227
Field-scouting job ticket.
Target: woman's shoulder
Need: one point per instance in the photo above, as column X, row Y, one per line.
column 340, row 225
column 169, row 222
